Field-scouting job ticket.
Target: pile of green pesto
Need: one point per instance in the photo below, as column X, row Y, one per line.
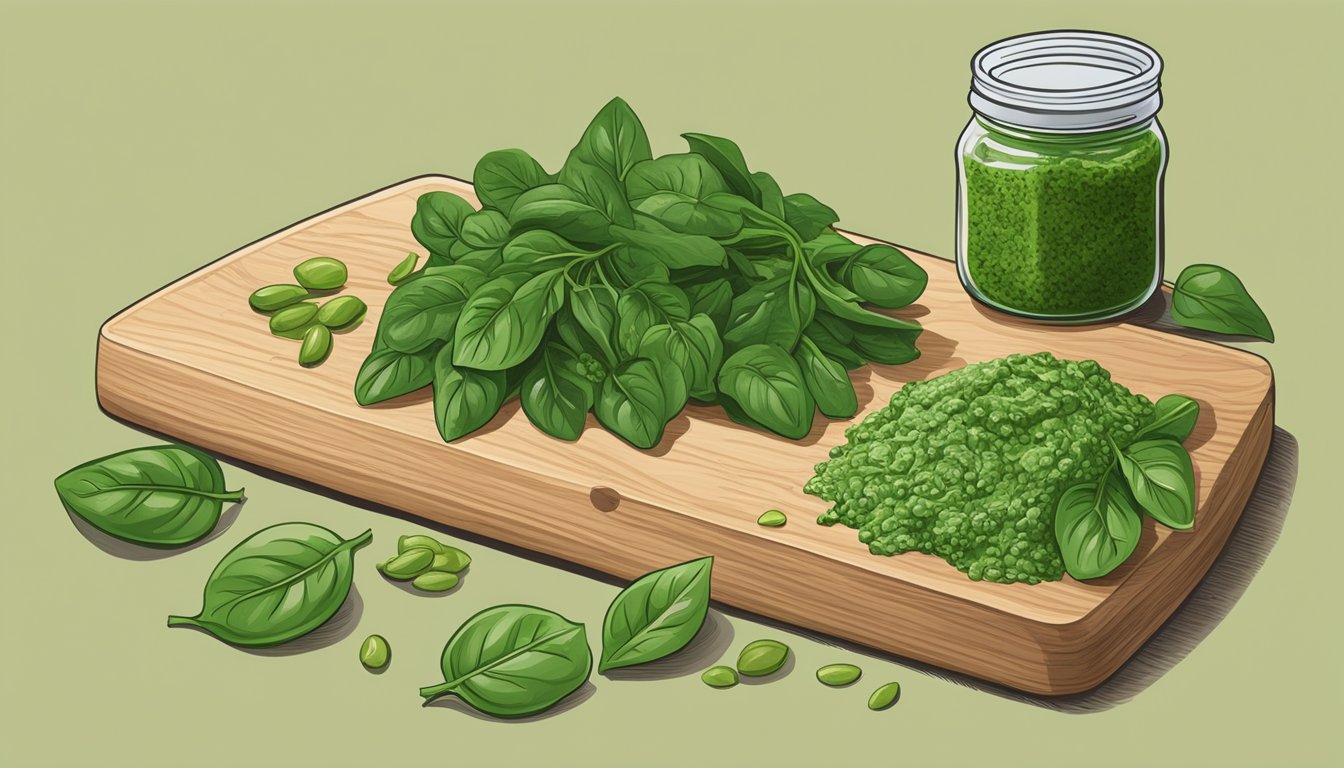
column 970, row 465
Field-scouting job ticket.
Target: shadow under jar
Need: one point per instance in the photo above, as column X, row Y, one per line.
column 1059, row 177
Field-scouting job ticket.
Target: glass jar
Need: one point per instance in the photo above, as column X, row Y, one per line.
column 1059, row 177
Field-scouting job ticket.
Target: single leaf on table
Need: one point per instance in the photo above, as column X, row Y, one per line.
column 672, row 190
column 883, row 275
column 280, row 583
column 648, row 239
column 503, row 322
column 766, row 383
column 614, row 141
column 1210, row 298
column 826, row 380
column 387, row 373
column 1096, row 529
column 1162, row 479
column 162, row 496
column 633, row 404
column 1174, row 416
column 555, row 395
column 437, row 223
column 465, row 399
column 693, row 345
column 425, row 309
column 514, row 661
column 772, row 199
column 808, row 216
column 726, row 157
column 486, row 229
column 657, row 615
column 561, row 210
column 501, row 176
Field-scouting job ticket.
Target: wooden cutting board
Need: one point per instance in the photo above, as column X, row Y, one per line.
column 193, row 361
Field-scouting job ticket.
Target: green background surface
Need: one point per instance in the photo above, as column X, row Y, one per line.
column 141, row 140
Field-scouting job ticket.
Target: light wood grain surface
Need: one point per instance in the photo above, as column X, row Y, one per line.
column 193, row 361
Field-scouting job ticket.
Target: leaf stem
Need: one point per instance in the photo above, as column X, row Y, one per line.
column 183, row 621
column 432, row 692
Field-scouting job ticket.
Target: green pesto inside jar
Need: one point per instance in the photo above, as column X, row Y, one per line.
column 1061, row 226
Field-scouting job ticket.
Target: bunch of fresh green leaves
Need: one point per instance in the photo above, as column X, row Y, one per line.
column 1097, row 525
column 627, row 284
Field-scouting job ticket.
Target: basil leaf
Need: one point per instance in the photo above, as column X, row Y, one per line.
column 614, row 141
column 556, row 397
column 826, row 380
column 1096, row 530
column 1162, row 479
column 387, row 373
column 561, row 210
column 465, row 399
column 503, row 175
column 883, row 275
column 1210, row 298
column 768, row 385
column 642, row 306
column 425, row 309
column 503, row 322
column 672, row 190
column 1174, row 416
column 437, row 223
column 633, row 403
column 513, row 661
column 594, row 309
column 657, row 615
column 726, row 157
column 163, row 496
column 280, row 583
column 650, row 240
column 599, row 188
column 693, row 346
column 808, row 216
column 485, row 230
column 713, row 299
column 773, row 311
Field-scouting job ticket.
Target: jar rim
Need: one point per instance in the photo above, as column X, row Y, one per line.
column 1067, row 81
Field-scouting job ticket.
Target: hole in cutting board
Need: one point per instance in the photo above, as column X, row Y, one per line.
column 604, row 499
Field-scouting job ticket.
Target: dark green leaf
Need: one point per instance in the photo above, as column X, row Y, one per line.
column 884, row 345
column 425, row 309
column 387, row 373
column 625, row 269
column 544, row 249
column 672, row 188
column 883, row 275
column 773, row 311
column 713, row 298
column 1174, row 416
column 644, row 305
column 772, row 199
column 768, row 385
column 657, row 615
column 599, row 188
column 513, row 661
column 465, row 399
column 808, row 216
column 280, row 583
column 485, row 230
column 556, row 396
column 829, row 343
column 503, row 322
column 501, row 176
column 163, row 496
column 650, row 240
column 438, row 222
column 693, row 346
column 1162, row 479
column 614, row 141
column 829, row 248
column 1211, row 298
column 727, row 159
column 633, row 403
column 594, row 309
column 827, row 381
column 558, row 208
column 1096, row 531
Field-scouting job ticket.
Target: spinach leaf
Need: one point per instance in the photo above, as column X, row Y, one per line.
column 713, row 298
column 766, row 382
column 503, row 322
column 280, row 583
column 633, row 404
column 387, row 373
column 1210, row 298
column 772, row 199
column 885, row 346
column 726, row 157
column 828, row 340
column 657, row 615
column 485, row 230
column 556, row 396
column 626, row 269
column 614, row 141
column 672, row 189
column 438, row 223
column 599, row 188
column 1097, row 528
column 561, row 210
column 826, row 380
column 643, row 305
column 513, row 661
column 537, row 250
column 425, row 309
column 1162, row 479
column 693, row 346
column 501, row 176
column 1174, row 416
column 650, row 240
column 465, row 399
column 828, row 248
column 594, row 309
column 808, row 216
column 883, row 275
column 773, row 311
column 163, row 496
